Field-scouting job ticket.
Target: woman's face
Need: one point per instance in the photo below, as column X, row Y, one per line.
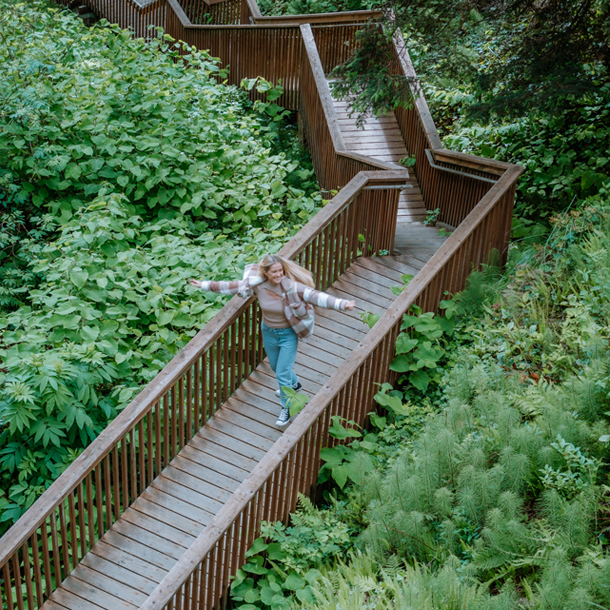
column 275, row 273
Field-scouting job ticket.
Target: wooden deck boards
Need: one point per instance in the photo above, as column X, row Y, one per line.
column 130, row 560
column 380, row 138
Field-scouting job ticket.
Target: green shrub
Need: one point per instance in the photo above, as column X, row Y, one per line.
column 95, row 109
column 279, row 568
column 565, row 154
column 364, row 584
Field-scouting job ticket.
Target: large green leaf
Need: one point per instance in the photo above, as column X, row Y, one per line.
column 79, row 277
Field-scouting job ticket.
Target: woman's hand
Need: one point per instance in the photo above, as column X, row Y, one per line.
column 350, row 305
column 195, row 283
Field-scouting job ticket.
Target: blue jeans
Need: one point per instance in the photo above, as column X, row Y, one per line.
column 281, row 345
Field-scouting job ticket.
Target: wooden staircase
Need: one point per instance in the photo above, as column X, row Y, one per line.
column 159, row 511
column 381, row 139
column 128, row 562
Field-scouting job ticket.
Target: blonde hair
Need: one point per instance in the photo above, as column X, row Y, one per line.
column 292, row 271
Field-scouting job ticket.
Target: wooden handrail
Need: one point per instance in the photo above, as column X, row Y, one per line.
column 321, row 18
column 254, row 9
column 489, row 166
column 179, row 12
column 452, row 169
column 419, row 100
column 330, row 116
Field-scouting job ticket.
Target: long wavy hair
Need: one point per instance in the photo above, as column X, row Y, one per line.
column 292, row 271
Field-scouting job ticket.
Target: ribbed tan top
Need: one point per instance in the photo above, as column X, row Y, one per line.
column 272, row 306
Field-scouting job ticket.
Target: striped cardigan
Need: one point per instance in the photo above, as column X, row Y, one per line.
column 298, row 299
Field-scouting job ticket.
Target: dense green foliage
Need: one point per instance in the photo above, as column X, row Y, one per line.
column 302, row 7
column 362, row 584
column 123, row 173
column 492, row 486
column 519, row 54
column 566, row 154
column 278, row 568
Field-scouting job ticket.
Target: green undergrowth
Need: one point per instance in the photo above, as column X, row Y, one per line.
column 563, row 147
column 123, row 173
column 488, row 489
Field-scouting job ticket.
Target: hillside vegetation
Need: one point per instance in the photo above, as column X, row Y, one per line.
column 123, row 172
column 484, row 484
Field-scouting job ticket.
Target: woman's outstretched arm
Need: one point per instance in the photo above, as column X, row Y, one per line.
column 231, row 287
column 323, row 299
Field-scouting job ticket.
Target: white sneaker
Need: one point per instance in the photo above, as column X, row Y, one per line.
column 296, row 388
column 284, row 418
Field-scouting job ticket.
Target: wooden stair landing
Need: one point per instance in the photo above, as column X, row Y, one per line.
column 130, row 560
column 381, row 139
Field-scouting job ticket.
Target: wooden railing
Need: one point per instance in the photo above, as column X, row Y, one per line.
column 334, row 165
column 450, row 181
column 74, row 513
column 48, row 542
column 138, row 16
column 201, row 577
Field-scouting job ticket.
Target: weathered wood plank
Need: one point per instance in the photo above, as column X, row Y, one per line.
column 157, row 511
column 135, row 548
column 134, row 567
column 262, row 413
column 110, row 586
column 384, row 298
column 89, row 592
column 120, row 573
column 210, row 458
column 172, row 539
column 369, row 281
column 246, row 423
column 372, row 277
column 327, row 351
column 217, row 482
column 344, row 332
column 239, row 433
column 267, row 378
column 65, row 599
column 239, row 447
column 207, row 501
column 177, row 495
column 374, row 266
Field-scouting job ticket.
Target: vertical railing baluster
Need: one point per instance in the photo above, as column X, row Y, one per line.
column 55, row 546
column 197, row 396
column 65, row 553
column 181, row 414
column 189, row 404
column 27, row 575
column 37, row 570
column 173, row 423
column 142, row 451
column 167, row 456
